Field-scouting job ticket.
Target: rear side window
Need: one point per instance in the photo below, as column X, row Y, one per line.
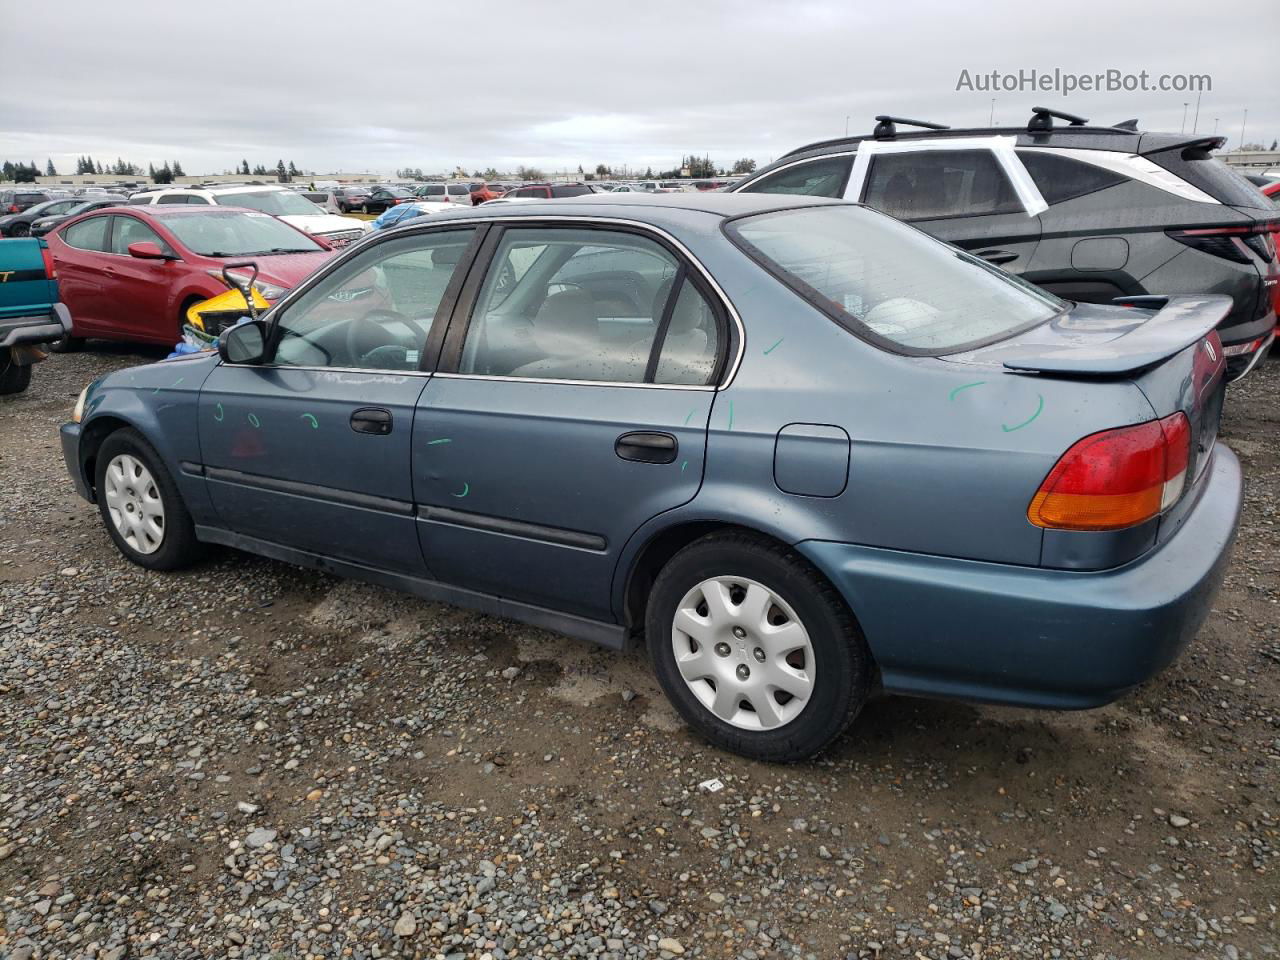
column 138, row 199
column 88, row 234
column 1062, row 178
column 890, row 283
column 174, row 198
column 930, row 184
column 818, row 178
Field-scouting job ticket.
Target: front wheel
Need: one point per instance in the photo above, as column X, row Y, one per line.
column 755, row 648
column 20, row 230
column 140, row 504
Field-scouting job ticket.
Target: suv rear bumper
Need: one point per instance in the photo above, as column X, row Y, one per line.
column 40, row 328
column 1027, row 636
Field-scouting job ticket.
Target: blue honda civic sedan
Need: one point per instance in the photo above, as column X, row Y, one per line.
column 802, row 450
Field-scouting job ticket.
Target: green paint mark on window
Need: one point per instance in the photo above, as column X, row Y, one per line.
column 253, row 419
column 965, row 386
column 770, row 350
column 466, row 488
column 315, row 424
column 1008, row 429
column 218, row 414
column 432, row 443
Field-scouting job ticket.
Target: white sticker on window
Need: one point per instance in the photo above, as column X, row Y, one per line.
column 411, row 356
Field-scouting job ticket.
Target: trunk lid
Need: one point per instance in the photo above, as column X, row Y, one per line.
column 1167, row 346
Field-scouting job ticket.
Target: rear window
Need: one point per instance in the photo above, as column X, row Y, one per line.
column 1200, row 169
column 890, row 283
column 818, row 178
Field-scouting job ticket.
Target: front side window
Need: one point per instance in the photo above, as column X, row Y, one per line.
column 589, row 305
column 375, row 311
column 891, row 283
column 127, row 230
column 233, row 234
column 928, row 184
column 88, row 234
column 817, row 178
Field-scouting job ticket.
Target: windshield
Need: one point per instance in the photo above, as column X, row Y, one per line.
column 890, row 282
column 278, row 203
column 232, row 234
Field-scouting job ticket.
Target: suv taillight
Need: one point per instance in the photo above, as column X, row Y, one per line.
column 50, row 268
column 1232, row 243
column 1117, row 478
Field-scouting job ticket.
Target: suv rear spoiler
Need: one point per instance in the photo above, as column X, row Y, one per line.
column 1195, row 143
column 1178, row 323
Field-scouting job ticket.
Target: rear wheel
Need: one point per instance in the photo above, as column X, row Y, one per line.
column 14, row 378
column 140, row 504
column 755, row 648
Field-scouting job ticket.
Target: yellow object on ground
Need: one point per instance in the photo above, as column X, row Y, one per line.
column 219, row 312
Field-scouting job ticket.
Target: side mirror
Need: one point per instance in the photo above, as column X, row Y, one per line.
column 147, row 250
column 244, row 343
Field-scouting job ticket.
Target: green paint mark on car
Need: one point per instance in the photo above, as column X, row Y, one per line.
column 683, row 465
column 730, row 414
column 315, row 424
column 432, row 443
column 253, row 419
column 466, row 488
column 690, row 416
column 218, row 414
column 771, row 349
column 965, row 386
column 1008, row 429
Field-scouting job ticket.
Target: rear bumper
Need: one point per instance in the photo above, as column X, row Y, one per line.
column 41, row 328
column 69, row 434
column 1026, row 636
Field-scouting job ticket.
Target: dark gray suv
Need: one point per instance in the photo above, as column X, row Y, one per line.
column 1089, row 213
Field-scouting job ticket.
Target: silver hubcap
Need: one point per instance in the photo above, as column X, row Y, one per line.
column 743, row 652
column 134, row 504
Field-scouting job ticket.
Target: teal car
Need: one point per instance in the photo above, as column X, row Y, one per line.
column 30, row 312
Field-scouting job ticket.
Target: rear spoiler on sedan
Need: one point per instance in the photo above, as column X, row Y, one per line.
column 1178, row 323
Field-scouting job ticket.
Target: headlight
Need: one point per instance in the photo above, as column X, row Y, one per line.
column 269, row 291
column 78, row 410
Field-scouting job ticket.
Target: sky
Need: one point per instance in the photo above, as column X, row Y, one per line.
column 384, row 84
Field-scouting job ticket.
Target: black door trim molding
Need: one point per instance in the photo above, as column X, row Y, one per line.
column 313, row 491
column 514, row 528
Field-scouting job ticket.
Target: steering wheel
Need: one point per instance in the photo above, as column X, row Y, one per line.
column 368, row 337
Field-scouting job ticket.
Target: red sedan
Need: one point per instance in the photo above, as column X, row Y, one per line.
column 131, row 273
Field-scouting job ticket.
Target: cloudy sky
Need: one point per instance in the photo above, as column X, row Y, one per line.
column 382, row 84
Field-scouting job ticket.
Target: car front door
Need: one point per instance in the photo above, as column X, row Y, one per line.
column 973, row 195
column 571, row 407
column 140, row 289
column 312, row 449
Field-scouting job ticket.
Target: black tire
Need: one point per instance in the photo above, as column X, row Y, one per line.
column 20, row 230
column 178, row 544
column 14, row 378
column 843, row 667
column 67, row 344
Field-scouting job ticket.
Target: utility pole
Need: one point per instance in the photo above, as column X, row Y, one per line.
column 991, row 117
column 1242, row 125
column 1215, row 126
column 1195, row 124
column 846, row 124
column 1184, row 118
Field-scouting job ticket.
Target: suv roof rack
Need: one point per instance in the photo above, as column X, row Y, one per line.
column 1042, row 119
column 886, row 128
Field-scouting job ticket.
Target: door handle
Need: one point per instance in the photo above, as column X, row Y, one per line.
column 998, row 256
column 645, row 447
column 373, row 420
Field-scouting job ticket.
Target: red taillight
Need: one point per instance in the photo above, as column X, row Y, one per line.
column 1233, row 242
column 50, row 268
column 13, row 208
column 1117, row 478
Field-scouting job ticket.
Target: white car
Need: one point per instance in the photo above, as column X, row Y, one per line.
column 280, row 202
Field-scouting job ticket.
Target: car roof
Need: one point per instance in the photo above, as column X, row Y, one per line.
column 630, row 205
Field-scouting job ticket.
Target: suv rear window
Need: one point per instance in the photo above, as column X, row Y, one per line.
column 1062, row 178
column 889, row 283
column 928, row 184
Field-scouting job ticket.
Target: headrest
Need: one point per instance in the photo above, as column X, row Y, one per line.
column 566, row 323
column 445, row 256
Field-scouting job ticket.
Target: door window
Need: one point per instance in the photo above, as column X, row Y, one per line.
column 375, row 311
column 573, row 304
column 929, row 184
column 88, row 234
column 818, row 178
column 1062, row 178
column 128, row 230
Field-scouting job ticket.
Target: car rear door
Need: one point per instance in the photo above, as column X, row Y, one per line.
column 571, row 407
column 972, row 192
column 312, row 450
column 80, row 251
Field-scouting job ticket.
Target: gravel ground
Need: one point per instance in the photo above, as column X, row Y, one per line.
column 250, row 760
